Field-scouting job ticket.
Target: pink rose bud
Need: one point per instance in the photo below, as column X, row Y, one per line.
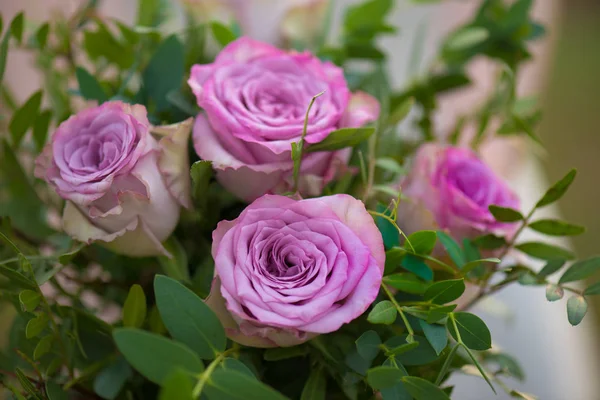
column 255, row 98
column 289, row 270
column 123, row 186
column 456, row 188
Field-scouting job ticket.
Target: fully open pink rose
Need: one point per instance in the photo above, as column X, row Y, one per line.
column 255, row 98
column 457, row 188
column 289, row 270
column 123, row 186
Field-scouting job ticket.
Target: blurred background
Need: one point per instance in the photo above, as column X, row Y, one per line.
column 560, row 362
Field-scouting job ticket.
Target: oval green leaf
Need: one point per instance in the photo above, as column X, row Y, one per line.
column 445, row 291
column 473, row 331
column 134, row 310
column 581, row 270
column 384, row 312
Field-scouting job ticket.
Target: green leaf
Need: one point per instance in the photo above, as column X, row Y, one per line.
column 134, row 310
column 391, row 165
column 102, row 44
column 473, row 331
column 576, row 309
column 421, row 389
column 55, row 392
column 453, row 248
column 436, row 335
column 551, row 267
column 367, row 345
column 507, row 364
column 188, row 319
column 417, row 266
column 284, row 353
column 342, row 138
column 471, row 265
column 234, row 385
column 593, row 289
column 422, row 242
column 544, row 251
column 557, row 190
column 89, row 87
column 554, row 292
column 36, row 325
column 581, row 270
column 467, row 38
column 3, row 54
column 394, row 256
column 445, row 291
column 222, row 33
column 406, row 282
column 40, row 128
column 164, row 72
column 420, row 355
column 490, row 242
column 555, row 227
column 384, row 312
column 16, row 27
column 201, row 173
column 401, row 111
column 154, row 356
column 384, row 377
column 24, row 118
column 505, row 214
column 315, row 387
column 16, row 277
column 152, row 13
column 110, row 380
column 236, row 365
column 391, row 236
column 177, row 385
column 41, row 36
column 43, row 347
column 176, row 266
column 29, row 300
column 437, row 313
column 403, row 348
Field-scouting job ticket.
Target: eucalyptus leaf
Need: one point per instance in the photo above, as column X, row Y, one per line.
column 368, row 344
column 134, row 310
column 445, row 291
column 406, row 282
column 557, row 190
column 581, row 270
column 177, row 385
column 421, row 389
column 473, row 331
column 234, row 385
column 422, row 242
column 415, row 265
column 436, row 335
column 384, row 377
column 384, row 312
column 505, row 214
column 545, row 251
column 342, row 138
column 556, row 227
column 453, row 248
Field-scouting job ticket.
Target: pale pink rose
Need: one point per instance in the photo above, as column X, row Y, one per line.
column 255, row 98
column 289, row 270
column 123, row 186
column 452, row 188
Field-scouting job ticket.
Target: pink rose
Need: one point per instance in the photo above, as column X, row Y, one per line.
column 289, row 270
column 255, row 98
column 122, row 186
column 457, row 188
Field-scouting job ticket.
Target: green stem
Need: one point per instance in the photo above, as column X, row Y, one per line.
column 391, row 221
column 205, row 376
column 399, row 309
column 453, row 320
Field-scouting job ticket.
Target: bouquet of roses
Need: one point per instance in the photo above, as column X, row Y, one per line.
column 199, row 214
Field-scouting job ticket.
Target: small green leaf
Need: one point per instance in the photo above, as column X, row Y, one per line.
column 421, row 389
column 557, row 190
column 236, row 365
column 89, row 87
column 437, row 313
column 226, row 384
column 466, row 38
column 176, row 266
column 401, row 111
column 41, row 36
column 445, row 291
column 390, row 165
column 188, row 319
column 29, row 300
column 554, row 292
column 384, row 312
column 110, row 380
column 16, row 27
column 593, row 289
column 393, row 258
column 367, row 345
column 201, row 173
column 505, row 214
column 555, row 227
column 36, row 325
column 490, row 242
column 406, row 282
column 164, row 72
column 284, row 353
column 436, row 335
column 471, row 265
column 40, row 128
column 576, row 309
column 177, row 385
column 24, row 117
column 43, row 347
column 155, row 356
column 544, row 251
column 422, row 242
column 384, row 377
column 420, row 355
column 417, row 266
column 342, row 138
column 581, row 270
column 473, row 331
column 315, row 387
column 3, row 54
column 403, row 348
column 222, row 34
column 55, row 392
column 453, row 248
column 134, row 310
column 551, row 267
column 16, row 277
